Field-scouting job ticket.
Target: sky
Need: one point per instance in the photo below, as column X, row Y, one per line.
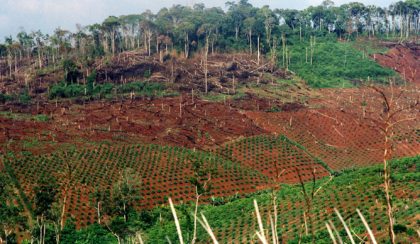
column 47, row 15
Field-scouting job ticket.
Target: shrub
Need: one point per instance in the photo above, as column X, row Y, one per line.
column 41, row 118
column 335, row 64
column 4, row 98
column 24, row 97
column 399, row 228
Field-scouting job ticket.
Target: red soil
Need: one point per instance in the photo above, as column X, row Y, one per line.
column 197, row 124
column 338, row 133
column 162, row 172
column 405, row 59
column 332, row 128
column 274, row 157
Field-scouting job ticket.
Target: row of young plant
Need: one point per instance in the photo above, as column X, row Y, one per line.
column 275, row 156
column 232, row 220
column 22, row 97
column 327, row 62
column 237, row 222
column 320, row 137
column 163, row 172
column 93, row 90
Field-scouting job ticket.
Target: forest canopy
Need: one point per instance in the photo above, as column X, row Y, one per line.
column 241, row 27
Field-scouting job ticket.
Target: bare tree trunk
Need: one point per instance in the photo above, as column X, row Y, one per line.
column 312, row 45
column 389, row 118
column 186, row 46
column 98, row 210
column 206, row 53
column 258, row 46
column 57, row 233
column 283, row 41
column 233, row 84
column 300, row 32
column 113, row 42
column 387, row 183
column 39, row 58
column 9, row 60
column 157, row 43
column 125, row 212
column 149, row 41
column 195, row 217
column 145, row 41
column 250, row 41
column 63, row 211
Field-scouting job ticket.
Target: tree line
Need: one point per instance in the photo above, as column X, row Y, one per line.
column 189, row 29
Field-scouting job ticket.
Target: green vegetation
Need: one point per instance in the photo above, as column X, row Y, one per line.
column 271, row 153
column 335, row 64
column 41, row 118
column 22, row 97
column 5, row 98
column 114, row 193
column 231, row 216
column 242, row 27
column 234, row 219
column 90, row 90
column 25, row 117
column 217, row 97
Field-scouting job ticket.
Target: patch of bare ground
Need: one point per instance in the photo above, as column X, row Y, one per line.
column 403, row 58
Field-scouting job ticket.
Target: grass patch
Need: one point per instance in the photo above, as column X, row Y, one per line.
column 107, row 90
column 41, row 118
column 364, row 192
column 336, row 64
column 219, row 97
column 25, row 117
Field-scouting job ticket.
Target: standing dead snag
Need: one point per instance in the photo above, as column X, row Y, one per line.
column 312, row 44
column 126, row 192
column 60, row 206
column 68, row 184
column 206, row 69
column 309, row 198
column 201, row 181
column 274, row 219
column 394, row 113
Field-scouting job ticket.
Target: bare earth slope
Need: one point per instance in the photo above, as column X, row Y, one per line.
column 405, row 59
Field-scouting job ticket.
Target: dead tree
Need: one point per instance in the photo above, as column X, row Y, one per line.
column 394, row 113
column 201, row 180
column 206, row 69
column 312, row 48
column 309, row 195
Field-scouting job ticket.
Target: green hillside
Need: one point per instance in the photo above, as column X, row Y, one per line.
column 234, row 219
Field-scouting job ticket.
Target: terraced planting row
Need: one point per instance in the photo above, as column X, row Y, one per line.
column 336, row 137
column 164, row 171
column 277, row 157
column 236, row 222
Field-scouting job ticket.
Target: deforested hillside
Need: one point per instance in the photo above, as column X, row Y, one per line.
column 199, row 124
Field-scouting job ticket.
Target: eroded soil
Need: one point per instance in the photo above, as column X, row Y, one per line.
column 405, row 59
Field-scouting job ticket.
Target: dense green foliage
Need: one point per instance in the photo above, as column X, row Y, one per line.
column 242, row 27
column 335, row 64
column 232, row 218
column 22, row 97
column 64, row 90
column 10, row 217
column 235, row 219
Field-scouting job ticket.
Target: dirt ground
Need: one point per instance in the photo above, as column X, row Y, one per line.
column 404, row 59
column 339, row 126
column 168, row 121
column 332, row 127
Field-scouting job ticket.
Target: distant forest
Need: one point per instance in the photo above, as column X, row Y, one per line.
column 242, row 27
